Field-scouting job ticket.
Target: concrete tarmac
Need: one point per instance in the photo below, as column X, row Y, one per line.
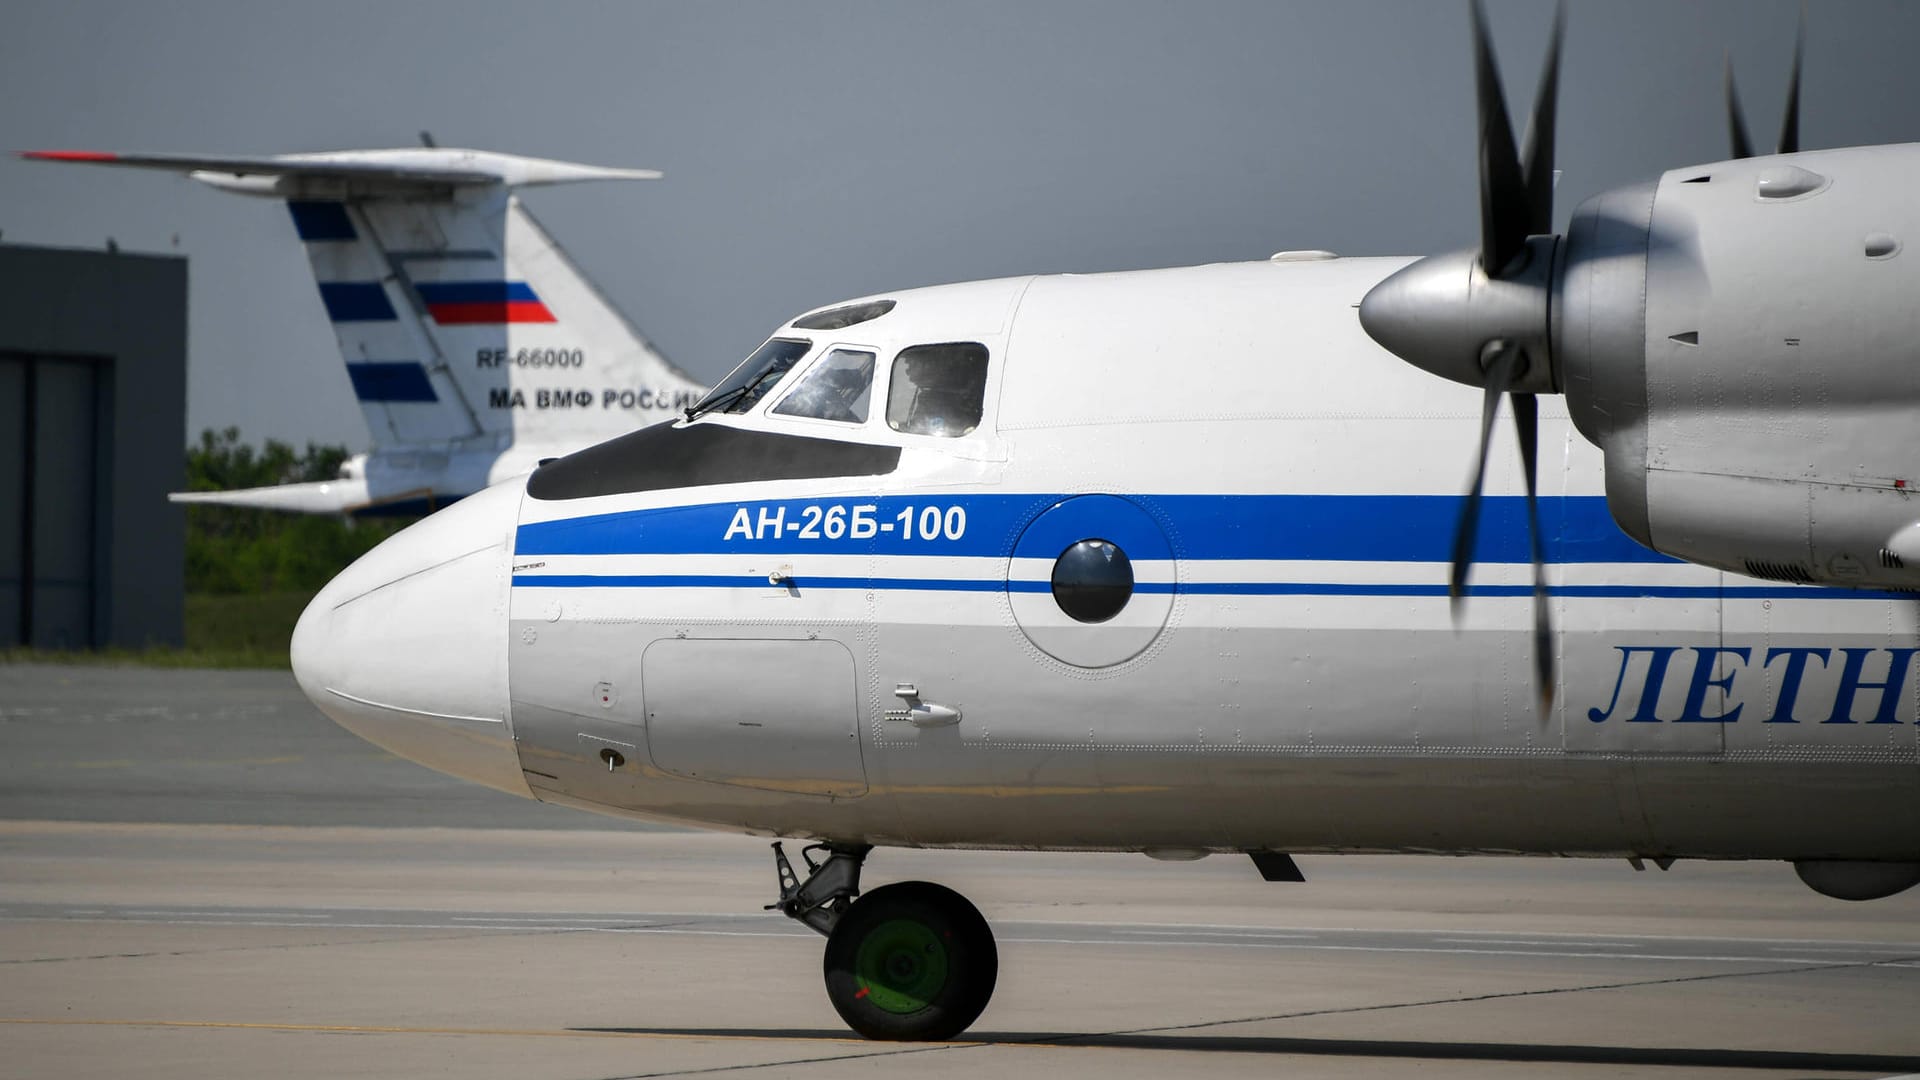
column 217, row 919
column 216, row 747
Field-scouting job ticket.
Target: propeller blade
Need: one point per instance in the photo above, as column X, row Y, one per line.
column 1736, row 123
column 1503, row 191
column 1500, row 375
column 1526, row 423
column 1538, row 153
column 1790, row 123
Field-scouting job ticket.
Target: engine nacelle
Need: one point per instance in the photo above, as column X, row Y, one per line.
column 1848, row 879
column 1742, row 339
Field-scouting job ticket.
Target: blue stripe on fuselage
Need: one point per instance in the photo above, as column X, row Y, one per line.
column 1348, row 528
column 1208, row 588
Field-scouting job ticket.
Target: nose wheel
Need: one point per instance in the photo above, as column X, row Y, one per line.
column 911, row 961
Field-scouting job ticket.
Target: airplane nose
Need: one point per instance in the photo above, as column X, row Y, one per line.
column 407, row 647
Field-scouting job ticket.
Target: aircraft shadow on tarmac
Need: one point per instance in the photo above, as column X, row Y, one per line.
column 1680, row 1057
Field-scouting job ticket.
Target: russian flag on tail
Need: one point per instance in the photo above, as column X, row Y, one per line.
column 470, row 303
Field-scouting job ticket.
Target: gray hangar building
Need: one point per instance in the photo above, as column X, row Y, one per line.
column 93, row 383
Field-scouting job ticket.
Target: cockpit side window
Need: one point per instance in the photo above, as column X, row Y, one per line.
column 938, row 389
column 838, row 387
column 756, row 375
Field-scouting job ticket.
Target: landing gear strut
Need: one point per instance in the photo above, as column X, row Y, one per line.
column 908, row 961
column 829, row 889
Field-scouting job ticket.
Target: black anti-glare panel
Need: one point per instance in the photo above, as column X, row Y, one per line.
column 663, row 456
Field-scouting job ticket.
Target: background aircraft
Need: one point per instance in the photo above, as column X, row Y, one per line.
column 947, row 567
column 475, row 347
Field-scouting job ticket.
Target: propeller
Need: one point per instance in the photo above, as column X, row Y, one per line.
column 1480, row 317
column 1516, row 201
column 1790, row 120
column 1736, row 123
column 1789, row 123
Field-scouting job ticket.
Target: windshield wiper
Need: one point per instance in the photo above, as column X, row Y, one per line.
column 699, row 409
column 693, row 411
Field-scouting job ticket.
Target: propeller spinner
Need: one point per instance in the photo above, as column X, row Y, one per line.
column 1480, row 316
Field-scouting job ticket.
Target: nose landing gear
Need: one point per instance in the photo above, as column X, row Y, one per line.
column 909, row 961
column 912, row 961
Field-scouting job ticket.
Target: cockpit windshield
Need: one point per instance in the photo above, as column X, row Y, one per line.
column 837, row 388
column 756, row 375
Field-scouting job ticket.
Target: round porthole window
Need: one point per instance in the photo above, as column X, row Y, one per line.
column 1092, row 581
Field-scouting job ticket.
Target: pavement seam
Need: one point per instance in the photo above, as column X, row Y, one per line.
column 378, row 1029
column 787, row 1062
column 1471, row 998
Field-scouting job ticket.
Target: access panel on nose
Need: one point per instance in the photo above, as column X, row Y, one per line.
column 775, row 715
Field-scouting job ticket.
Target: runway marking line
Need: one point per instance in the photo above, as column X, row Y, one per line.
column 376, row 1029
column 1147, row 929
column 1838, row 949
column 1142, row 942
column 1222, row 934
column 1502, row 933
column 546, row 920
column 244, row 914
column 1563, row 944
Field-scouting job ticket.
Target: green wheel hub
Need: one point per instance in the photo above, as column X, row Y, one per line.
column 901, row 966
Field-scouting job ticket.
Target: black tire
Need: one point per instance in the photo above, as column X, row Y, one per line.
column 912, row 961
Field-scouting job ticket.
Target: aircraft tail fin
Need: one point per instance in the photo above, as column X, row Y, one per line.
column 459, row 318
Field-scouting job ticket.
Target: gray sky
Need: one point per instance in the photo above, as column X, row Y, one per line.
column 818, row 150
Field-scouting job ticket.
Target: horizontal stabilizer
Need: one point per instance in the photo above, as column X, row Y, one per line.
column 347, row 173
column 343, row 496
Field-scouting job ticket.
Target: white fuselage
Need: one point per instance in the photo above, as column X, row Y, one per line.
column 785, row 656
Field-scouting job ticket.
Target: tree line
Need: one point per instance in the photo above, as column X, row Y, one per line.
column 233, row 550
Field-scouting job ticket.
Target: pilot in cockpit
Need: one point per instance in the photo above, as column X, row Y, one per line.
column 835, row 390
column 937, row 390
